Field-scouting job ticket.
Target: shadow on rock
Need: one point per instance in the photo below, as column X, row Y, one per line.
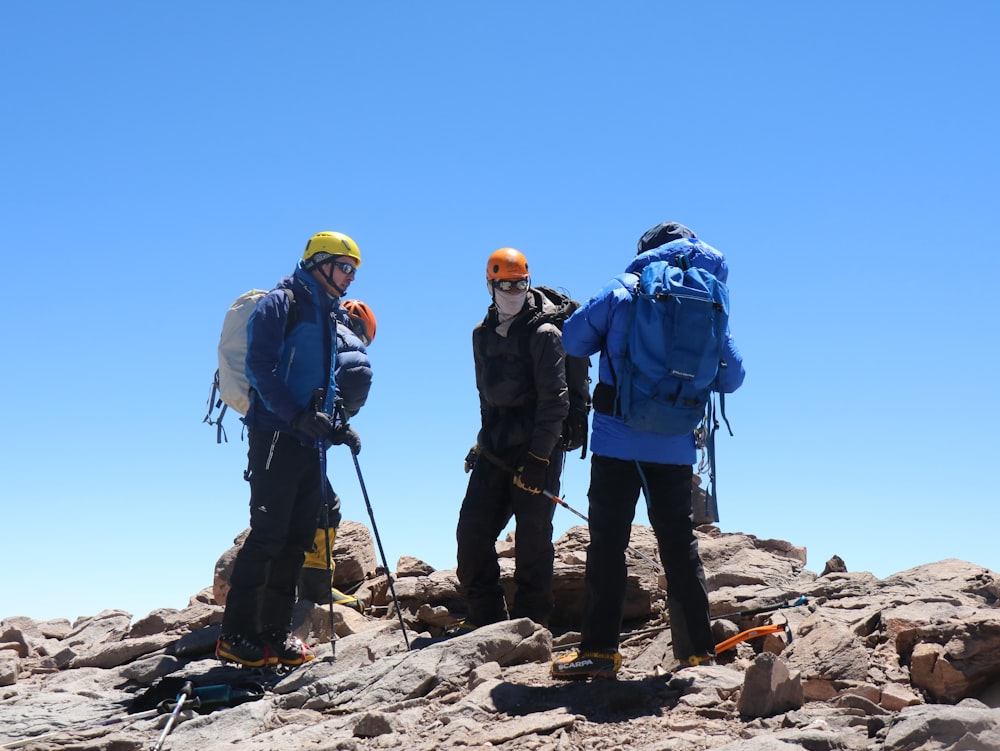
column 598, row 701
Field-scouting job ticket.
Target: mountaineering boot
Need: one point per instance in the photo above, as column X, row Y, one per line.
column 464, row 626
column 590, row 664
column 240, row 649
column 316, row 580
column 285, row 649
column 695, row 661
column 348, row 601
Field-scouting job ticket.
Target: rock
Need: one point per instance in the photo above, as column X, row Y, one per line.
column 372, row 724
column 935, row 728
column 409, row 566
column 834, row 565
column 769, row 688
column 9, row 667
column 865, row 656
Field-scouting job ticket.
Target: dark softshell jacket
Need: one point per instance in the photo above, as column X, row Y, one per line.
column 521, row 377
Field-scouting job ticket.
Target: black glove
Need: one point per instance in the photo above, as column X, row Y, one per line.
column 346, row 434
column 532, row 473
column 470, row 458
column 313, row 424
column 574, row 432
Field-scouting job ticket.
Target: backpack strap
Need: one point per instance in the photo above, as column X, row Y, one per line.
column 705, row 440
column 616, row 406
column 712, row 493
column 215, row 402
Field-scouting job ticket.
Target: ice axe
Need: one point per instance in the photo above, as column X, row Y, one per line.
column 559, row 501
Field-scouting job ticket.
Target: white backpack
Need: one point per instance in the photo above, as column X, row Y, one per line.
column 230, row 386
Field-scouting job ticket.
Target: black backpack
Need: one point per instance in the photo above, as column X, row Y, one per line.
column 576, row 425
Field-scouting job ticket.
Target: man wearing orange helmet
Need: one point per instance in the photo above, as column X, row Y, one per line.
column 355, row 331
column 521, row 376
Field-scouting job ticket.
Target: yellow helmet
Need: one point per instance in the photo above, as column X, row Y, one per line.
column 506, row 263
column 325, row 246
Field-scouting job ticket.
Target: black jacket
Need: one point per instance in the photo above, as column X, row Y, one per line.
column 521, row 377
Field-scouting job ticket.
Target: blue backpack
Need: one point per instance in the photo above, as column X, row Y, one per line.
column 674, row 341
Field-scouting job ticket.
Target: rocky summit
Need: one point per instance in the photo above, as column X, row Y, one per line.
column 836, row 660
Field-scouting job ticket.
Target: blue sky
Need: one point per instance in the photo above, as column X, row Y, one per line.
column 159, row 159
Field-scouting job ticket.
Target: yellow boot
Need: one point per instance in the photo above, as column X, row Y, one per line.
column 315, row 580
column 348, row 601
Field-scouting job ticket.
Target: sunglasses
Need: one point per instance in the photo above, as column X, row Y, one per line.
column 506, row 285
column 345, row 267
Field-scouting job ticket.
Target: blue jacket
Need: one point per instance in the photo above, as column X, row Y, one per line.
column 599, row 326
column 291, row 352
column 354, row 369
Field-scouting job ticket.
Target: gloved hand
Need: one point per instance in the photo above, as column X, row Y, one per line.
column 470, row 458
column 574, row 434
column 530, row 476
column 346, row 434
column 314, row 424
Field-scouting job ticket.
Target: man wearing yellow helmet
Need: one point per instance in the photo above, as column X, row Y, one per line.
column 291, row 421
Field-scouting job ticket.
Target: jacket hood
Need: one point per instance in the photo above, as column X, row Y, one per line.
column 699, row 254
column 551, row 305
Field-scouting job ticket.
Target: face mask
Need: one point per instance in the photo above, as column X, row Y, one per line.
column 509, row 305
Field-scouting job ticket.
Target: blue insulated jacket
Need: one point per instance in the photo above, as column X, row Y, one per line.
column 600, row 325
column 353, row 371
column 291, row 352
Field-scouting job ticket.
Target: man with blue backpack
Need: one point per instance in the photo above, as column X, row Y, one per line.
column 662, row 331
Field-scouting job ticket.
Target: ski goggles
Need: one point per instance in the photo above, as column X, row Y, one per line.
column 506, row 285
column 347, row 268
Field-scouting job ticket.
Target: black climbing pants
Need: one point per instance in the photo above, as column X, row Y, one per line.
column 491, row 500
column 615, row 485
column 285, row 498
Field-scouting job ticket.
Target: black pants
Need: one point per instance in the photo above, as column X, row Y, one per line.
column 285, row 498
column 490, row 501
column 614, row 490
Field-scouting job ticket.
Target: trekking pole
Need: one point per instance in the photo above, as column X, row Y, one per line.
column 555, row 499
column 323, row 481
column 371, row 515
column 186, row 691
column 329, row 554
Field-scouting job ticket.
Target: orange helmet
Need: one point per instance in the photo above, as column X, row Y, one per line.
column 506, row 263
column 361, row 320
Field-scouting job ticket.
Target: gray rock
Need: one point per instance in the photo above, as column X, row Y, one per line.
column 937, row 727
column 865, row 656
column 769, row 688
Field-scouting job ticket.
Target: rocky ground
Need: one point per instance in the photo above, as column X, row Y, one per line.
column 907, row 662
